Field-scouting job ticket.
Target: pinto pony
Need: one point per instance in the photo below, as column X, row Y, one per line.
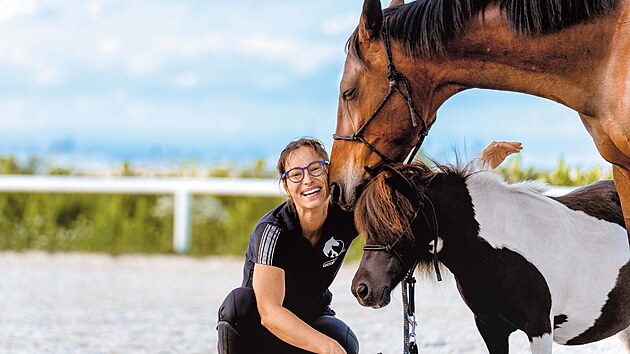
column 404, row 62
column 557, row 269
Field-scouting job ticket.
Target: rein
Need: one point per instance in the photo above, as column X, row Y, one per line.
column 408, row 287
column 394, row 76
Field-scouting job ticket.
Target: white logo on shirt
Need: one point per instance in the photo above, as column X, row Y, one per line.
column 332, row 249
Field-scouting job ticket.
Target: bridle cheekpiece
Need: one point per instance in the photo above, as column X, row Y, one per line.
column 395, row 77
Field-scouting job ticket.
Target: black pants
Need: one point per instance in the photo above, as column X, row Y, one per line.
column 240, row 330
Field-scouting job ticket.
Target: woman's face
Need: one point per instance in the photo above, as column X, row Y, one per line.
column 312, row 192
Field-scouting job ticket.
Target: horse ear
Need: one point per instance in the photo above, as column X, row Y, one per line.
column 396, row 3
column 371, row 20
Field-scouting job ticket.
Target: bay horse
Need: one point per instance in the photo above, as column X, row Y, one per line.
column 557, row 269
column 405, row 61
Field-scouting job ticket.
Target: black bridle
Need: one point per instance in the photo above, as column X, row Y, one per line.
column 421, row 201
column 394, row 76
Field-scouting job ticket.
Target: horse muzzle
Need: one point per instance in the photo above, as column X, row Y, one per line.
column 366, row 296
column 345, row 195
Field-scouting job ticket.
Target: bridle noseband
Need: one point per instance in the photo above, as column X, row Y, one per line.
column 394, row 76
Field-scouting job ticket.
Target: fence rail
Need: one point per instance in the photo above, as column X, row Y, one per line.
column 181, row 188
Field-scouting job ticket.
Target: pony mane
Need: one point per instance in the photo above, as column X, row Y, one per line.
column 495, row 182
column 424, row 27
column 383, row 213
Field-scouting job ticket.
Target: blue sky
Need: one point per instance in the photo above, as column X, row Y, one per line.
column 91, row 83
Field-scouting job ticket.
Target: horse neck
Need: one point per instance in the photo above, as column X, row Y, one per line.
column 456, row 221
column 567, row 66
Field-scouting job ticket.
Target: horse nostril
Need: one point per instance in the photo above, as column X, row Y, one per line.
column 362, row 291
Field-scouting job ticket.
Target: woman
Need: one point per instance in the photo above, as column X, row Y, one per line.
column 294, row 253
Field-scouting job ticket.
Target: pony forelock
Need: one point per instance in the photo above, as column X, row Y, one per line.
column 382, row 213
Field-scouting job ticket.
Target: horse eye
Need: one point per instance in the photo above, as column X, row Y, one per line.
column 349, row 94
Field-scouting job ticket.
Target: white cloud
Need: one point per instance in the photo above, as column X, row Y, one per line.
column 47, row 77
column 343, row 24
column 139, row 110
column 146, row 38
column 13, row 9
column 187, row 80
column 272, row 82
column 303, row 57
column 143, row 65
column 191, row 46
column 95, row 9
column 17, row 56
column 109, row 46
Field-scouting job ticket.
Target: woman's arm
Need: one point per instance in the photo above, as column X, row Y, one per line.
column 497, row 152
column 269, row 290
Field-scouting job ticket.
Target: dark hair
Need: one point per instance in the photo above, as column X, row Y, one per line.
column 296, row 144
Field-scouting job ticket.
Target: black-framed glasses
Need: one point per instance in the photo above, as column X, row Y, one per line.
column 315, row 169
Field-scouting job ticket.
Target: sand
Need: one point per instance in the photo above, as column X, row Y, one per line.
column 94, row 303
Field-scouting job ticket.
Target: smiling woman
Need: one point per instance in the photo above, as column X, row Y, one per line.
column 293, row 256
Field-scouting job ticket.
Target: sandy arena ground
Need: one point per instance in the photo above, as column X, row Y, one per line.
column 86, row 303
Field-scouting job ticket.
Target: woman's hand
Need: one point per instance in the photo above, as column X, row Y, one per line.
column 497, row 152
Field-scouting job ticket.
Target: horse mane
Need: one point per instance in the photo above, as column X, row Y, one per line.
column 424, row 27
column 384, row 213
column 493, row 181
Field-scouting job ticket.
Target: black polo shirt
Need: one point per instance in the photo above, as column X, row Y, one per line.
column 309, row 270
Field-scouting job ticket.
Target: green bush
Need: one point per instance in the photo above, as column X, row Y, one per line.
column 562, row 175
column 144, row 223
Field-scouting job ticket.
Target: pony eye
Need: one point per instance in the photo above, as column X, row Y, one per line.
column 349, row 94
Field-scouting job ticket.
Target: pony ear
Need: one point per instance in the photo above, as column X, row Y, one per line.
column 371, row 20
column 401, row 185
column 396, row 3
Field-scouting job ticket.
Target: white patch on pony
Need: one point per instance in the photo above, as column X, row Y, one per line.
column 578, row 255
column 541, row 345
column 624, row 336
column 440, row 244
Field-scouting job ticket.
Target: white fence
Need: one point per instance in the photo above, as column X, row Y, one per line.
column 181, row 188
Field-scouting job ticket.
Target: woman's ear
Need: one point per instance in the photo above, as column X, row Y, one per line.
column 285, row 189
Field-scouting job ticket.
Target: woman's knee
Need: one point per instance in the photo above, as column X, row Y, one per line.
column 238, row 326
column 239, row 305
column 339, row 331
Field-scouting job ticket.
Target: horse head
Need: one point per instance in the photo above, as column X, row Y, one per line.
column 391, row 215
column 379, row 118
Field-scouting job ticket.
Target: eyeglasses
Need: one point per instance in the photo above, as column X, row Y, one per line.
column 315, row 169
